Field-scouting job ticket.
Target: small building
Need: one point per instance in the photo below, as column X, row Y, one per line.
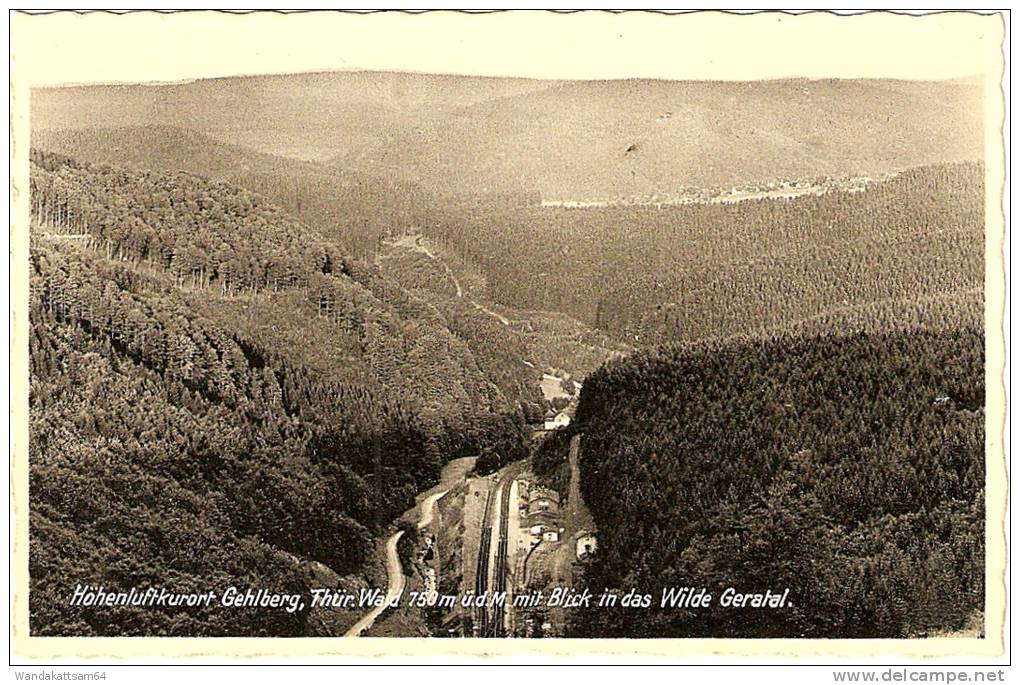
column 586, row 545
column 550, row 536
column 561, row 420
column 543, row 501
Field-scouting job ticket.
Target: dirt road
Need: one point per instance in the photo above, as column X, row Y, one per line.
column 414, row 242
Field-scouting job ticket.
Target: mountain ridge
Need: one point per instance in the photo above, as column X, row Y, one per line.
column 557, row 137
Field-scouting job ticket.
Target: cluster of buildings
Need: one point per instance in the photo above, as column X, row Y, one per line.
column 540, row 507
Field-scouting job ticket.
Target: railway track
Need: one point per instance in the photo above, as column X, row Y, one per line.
column 486, row 623
column 499, row 584
column 482, row 569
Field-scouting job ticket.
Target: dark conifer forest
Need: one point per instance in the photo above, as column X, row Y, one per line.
column 847, row 467
column 272, row 399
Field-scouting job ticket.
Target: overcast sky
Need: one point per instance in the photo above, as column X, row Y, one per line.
column 101, row 47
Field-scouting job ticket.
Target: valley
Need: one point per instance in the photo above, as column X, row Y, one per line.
column 443, row 336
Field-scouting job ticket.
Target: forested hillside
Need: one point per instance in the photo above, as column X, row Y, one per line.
column 355, row 210
column 666, row 272
column 577, row 140
column 847, row 466
column 218, row 392
column 367, row 216
column 517, row 345
column 703, row 270
column 592, row 140
column 311, row 116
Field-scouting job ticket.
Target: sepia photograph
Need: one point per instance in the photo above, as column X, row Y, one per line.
column 503, row 330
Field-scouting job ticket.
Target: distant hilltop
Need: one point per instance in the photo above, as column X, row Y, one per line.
column 562, row 140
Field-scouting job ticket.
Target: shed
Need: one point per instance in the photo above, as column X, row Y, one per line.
column 586, row 545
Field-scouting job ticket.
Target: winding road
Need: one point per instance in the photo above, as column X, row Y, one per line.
column 394, row 571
